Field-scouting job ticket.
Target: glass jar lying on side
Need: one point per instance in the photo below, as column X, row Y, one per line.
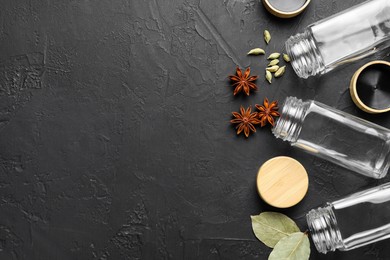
column 357, row 220
column 347, row 36
column 334, row 135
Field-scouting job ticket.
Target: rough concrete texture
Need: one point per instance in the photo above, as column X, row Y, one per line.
column 115, row 140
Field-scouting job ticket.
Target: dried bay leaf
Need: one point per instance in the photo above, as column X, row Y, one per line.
column 296, row 246
column 270, row 227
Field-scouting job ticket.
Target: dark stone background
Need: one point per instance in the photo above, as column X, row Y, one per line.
column 115, row 140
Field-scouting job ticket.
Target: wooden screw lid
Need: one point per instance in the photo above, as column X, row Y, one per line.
column 282, row 182
column 353, row 87
column 284, row 14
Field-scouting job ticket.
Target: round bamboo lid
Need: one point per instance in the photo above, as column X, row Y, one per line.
column 282, row 182
column 285, row 14
column 375, row 86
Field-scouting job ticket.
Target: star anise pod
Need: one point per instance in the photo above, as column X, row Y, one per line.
column 243, row 82
column 245, row 120
column 267, row 112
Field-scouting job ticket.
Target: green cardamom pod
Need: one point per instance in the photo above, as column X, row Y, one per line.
column 273, row 68
column 268, row 76
column 273, row 62
column 256, row 51
column 280, row 72
column 267, row 36
column 286, row 57
column 274, row 55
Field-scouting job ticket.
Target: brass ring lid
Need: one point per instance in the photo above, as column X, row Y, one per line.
column 284, row 14
column 282, row 182
column 360, row 80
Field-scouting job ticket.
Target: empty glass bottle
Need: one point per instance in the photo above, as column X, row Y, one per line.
column 357, row 220
column 344, row 37
column 334, row 135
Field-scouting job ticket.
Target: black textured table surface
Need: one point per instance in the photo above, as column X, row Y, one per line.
column 115, row 141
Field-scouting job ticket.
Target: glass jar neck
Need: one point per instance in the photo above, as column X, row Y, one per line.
column 289, row 124
column 324, row 230
column 306, row 59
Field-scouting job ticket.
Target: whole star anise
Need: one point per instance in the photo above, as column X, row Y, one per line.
column 245, row 120
column 243, row 82
column 267, row 112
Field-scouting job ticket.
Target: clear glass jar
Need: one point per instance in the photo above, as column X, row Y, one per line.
column 332, row 227
column 344, row 37
column 328, row 133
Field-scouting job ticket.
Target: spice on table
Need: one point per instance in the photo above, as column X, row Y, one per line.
column 294, row 246
column 268, row 76
column 286, row 58
column 243, row 82
column 245, row 120
column 273, row 68
column 280, row 72
column 270, row 227
column 267, row 112
column 256, row 51
column 273, row 56
column 267, row 36
column 281, row 233
column 273, row 62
